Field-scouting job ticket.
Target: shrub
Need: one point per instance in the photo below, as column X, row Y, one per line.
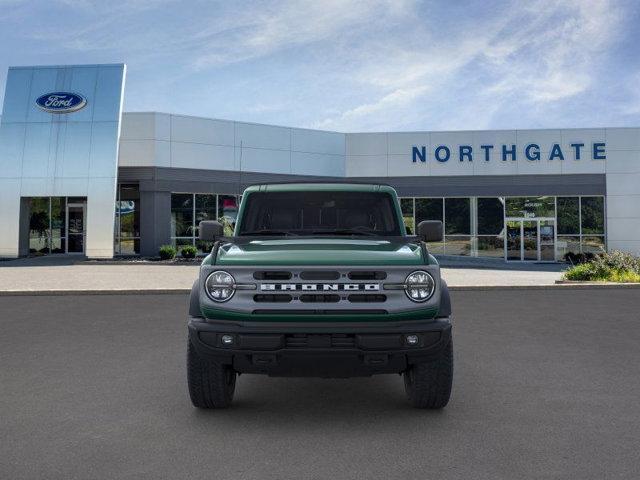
column 188, row 251
column 167, row 252
column 583, row 272
column 578, row 258
column 617, row 260
column 607, row 267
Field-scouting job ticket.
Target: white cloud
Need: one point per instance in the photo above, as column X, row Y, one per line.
column 537, row 54
column 348, row 64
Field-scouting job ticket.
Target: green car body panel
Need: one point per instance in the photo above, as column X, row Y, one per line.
column 325, row 251
column 321, row 251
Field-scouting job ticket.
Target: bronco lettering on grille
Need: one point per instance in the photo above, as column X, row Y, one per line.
column 322, row 287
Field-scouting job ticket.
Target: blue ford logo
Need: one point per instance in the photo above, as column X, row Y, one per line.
column 61, row 102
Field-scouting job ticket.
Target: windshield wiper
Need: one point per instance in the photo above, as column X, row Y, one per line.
column 267, row 231
column 346, row 231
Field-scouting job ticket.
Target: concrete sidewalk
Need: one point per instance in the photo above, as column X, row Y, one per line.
column 69, row 275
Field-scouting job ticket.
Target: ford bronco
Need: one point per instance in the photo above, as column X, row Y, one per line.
column 319, row 280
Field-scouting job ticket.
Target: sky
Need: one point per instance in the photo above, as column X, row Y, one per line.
column 351, row 65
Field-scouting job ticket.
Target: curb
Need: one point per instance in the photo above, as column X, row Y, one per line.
column 39, row 293
column 559, row 285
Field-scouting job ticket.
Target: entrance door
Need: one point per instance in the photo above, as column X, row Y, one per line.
column 547, row 240
column 75, row 227
column 514, row 240
column 530, row 239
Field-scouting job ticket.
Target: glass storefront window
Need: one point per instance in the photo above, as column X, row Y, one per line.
column 429, row 209
column 48, row 229
column 592, row 214
column 436, row 248
column 593, row 244
column 530, row 207
column 189, row 209
column 406, row 204
column 579, row 225
column 490, row 216
column 568, row 216
column 490, row 246
column 457, row 245
column 127, row 225
column 39, row 225
column 182, row 215
column 205, row 210
column 567, row 244
column 457, row 216
column 227, row 212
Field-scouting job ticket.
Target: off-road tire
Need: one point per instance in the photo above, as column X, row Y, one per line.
column 428, row 384
column 211, row 384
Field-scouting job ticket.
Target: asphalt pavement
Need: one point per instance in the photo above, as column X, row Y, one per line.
column 546, row 386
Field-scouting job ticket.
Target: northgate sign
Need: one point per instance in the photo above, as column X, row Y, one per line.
column 531, row 152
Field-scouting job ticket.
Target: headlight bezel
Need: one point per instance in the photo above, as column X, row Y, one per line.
column 231, row 286
column 410, row 285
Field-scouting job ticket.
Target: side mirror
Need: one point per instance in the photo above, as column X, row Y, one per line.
column 430, row 231
column 210, row 230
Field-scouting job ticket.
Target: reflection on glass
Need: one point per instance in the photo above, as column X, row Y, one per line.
column 406, row 204
column 457, row 213
column 457, row 245
column 593, row 244
column 491, row 246
column 592, row 215
column 75, row 237
column 129, row 211
column 181, row 214
column 129, row 246
column 58, row 216
column 180, row 242
column 428, row 209
column 530, row 207
column 204, row 247
column 490, row 216
column 205, row 210
column 568, row 216
column 127, row 220
column 58, row 244
column 227, row 212
column 568, row 244
column 514, row 240
column 547, row 241
column 436, row 248
column 530, row 240
column 39, row 225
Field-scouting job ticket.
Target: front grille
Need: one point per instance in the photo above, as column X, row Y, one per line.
column 367, row 275
column 320, row 341
column 274, row 298
column 348, row 290
column 319, row 298
column 363, row 298
column 272, row 275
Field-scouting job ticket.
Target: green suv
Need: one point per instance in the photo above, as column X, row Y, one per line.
column 322, row 280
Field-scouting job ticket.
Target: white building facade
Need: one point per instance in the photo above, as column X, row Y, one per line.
column 519, row 195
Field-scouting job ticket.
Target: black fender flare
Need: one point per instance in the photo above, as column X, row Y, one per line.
column 194, row 300
column 445, row 301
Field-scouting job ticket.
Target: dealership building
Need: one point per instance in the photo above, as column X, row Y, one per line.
column 80, row 176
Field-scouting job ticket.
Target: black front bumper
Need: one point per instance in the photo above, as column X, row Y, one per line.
column 305, row 349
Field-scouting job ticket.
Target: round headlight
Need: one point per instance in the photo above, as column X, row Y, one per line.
column 220, row 286
column 419, row 286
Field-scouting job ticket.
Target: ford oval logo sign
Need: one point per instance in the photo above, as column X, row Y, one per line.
column 61, row 102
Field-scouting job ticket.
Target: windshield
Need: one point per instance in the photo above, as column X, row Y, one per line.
column 320, row 213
